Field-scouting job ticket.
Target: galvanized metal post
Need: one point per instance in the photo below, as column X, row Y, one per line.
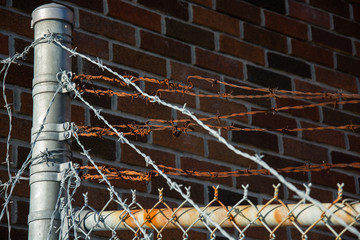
column 51, row 149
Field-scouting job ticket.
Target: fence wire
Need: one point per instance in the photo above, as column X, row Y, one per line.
column 215, row 217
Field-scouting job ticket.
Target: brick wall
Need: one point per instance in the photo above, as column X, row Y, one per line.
column 304, row 45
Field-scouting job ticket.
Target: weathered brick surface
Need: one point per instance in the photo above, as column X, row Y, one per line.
column 348, row 64
column 336, row 79
column 309, row 113
column 331, row 40
column 91, row 45
column 14, row 22
column 174, row 8
column 312, row 53
column 239, row 9
column 309, row 14
column 332, row 137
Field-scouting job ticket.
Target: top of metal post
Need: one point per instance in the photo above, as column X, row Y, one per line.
column 51, row 11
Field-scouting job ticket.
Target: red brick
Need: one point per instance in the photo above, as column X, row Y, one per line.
column 91, row 45
column 216, row 21
column 178, row 234
column 22, row 212
column 133, row 14
column 242, row 50
column 357, row 48
column 18, row 234
column 265, row 102
column 265, row 38
column 3, row 151
column 262, row 140
column 220, row 152
column 319, row 194
column 331, row 137
column 21, row 189
column 129, row 156
column 4, row 44
column 189, row 33
column 23, row 153
column 331, row 40
column 347, row 27
column 268, row 79
column 21, row 128
column 334, row 6
column 354, row 143
column 277, row 6
column 348, row 64
column 340, row 157
column 332, row 178
column 181, row 72
column 183, row 143
column 266, row 186
column 20, row 45
column 206, row 3
column 105, row 27
column 312, row 53
column 165, row 46
column 354, row 107
column 139, row 60
column 219, row 63
column 143, row 107
column 305, row 151
column 172, row 7
column 295, row 234
column 309, row 14
column 262, row 233
column 240, row 9
column 285, row 25
column 336, row 79
column 309, row 113
column 356, row 11
column 223, row 107
column 146, row 202
column 191, row 164
column 77, row 114
column 9, row 98
column 228, row 198
column 95, row 99
column 94, row 198
column 17, row 23
column 26, row 104
column 103, row 148
column 272, row 121
column 339, row 118
column 290, row 65
column 304, row 86
column 197, row 190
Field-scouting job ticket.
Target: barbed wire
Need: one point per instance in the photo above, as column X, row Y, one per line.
column 257, row 159
column 112, row 173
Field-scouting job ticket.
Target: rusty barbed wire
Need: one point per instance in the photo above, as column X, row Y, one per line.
column 145, row 129
column 112, row 173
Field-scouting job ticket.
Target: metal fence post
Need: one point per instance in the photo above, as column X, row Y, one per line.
column 51, row 149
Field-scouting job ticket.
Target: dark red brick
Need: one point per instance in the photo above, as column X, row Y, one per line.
column 339, row 118
column 309, row 113
column 282, row 162
column 4, row 44
column 348, row 64
column 336, row 79
column 331, row 40
column 9, row 98
column 93, row 197
column 223, row 107
column 98, row 147
column 353, row 107
column 219, row 63
column 290, row 65
column 206, row 3
column 20, row 45
column 77, row 114
column 22, row 212
column 312, row 53
column 265, row 38
column 165, row 46
column 308, row 14
column 28, row 6
column 139, row 60
column 174, row 8
column 142, row 107
column 91, row 45
column 18, row 234
column 216, row 21
column 354, row 141
column 267, row 78
column 285, row 25
column 105, row 27
column 332, row 178
column 17, row 23
column 347, row 27
column 339, row 157
column 133, row 14
column 319, row 194
column 96, row 99
column 265, row 188
column 23, row 153
column 334, row 6
column 305, row 151
column 262, row 140
column 130, row 156
column 295, row 234
column 181, row 72
column 26, row 104
column 189, row 33
column 263, row 233
column 20, row 75
column 191, row 164
column 331, row 137
column 21, row 128
column 197, row 190
column 304, row 86
column 3, row 152
column 239, row 9
column 228, row 198
column 178, row 234
column 183, row 143
column 21, row 189
column 273, row 121
column 242, row 50
column 357, row 48
column 356, row 11
column 277, row 6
